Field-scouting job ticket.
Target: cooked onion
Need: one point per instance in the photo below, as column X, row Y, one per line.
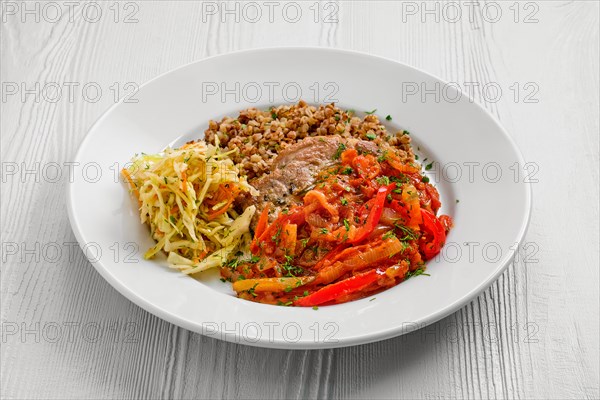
column 389, row 216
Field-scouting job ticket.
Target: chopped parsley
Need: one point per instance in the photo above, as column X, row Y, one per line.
column 388, row 235
column 405, row 132
column 383, row 156
column 400, row 179
column 290, row 269
column 425, row 179
column 416, row 272
column 388, row 118
column 276, row 237
column 346, row 224
column 324, row 231
column 347, row 171
column 371, row 112
column 383, row 180
column 429, row 166
column 251, row 290
column 409, row 234
column 339, row 151
column 345, row 201
column 315, row 308
column 371, row 136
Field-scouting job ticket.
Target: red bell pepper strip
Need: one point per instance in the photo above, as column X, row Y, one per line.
column 294, row 216
column 339, row 289
column 434, row 227
column 374, row 215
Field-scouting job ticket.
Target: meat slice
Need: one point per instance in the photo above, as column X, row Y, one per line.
column 294, row 170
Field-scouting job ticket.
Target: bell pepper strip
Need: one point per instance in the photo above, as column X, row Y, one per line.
column 270, row 284
column 339, row 289
column 273, row 231
column 263, row 221
column 412, row 205
column 436, row 231
column 368, row 256
column 374, row 214
column 288, row 239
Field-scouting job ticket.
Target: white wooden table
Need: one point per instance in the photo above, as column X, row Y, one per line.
column 66, row 333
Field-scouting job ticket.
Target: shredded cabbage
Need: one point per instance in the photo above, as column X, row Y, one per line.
column 185, row 196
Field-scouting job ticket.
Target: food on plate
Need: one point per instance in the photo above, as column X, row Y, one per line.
column 301, row 205
column 185, row 195
column 260, row 135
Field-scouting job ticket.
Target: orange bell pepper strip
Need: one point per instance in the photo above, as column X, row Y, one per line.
column 263, row 221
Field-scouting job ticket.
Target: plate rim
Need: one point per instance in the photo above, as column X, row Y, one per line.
column 352, row 340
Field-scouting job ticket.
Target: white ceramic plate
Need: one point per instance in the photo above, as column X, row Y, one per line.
column 476, row 163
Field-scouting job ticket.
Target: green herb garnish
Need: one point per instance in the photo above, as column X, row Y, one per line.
column 383, row 180
column 409, row 234
column 339, row 151
column 416, row 272
column 383, row 156
column 388, row 235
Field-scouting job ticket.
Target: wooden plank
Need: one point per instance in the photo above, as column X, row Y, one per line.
column 534, row 333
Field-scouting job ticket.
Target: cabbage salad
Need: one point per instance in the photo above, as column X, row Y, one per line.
column 185, row 196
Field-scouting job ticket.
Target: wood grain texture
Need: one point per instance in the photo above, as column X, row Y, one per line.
column 533, row 334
